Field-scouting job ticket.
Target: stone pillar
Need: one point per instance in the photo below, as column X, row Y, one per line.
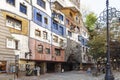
column 43, row 68
column 81, row 66
column 58, row 67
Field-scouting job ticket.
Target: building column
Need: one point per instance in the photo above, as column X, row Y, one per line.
column 43, row 68
column 58, row 67
column 81, row 66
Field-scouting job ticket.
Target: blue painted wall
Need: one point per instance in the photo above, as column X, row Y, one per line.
column 42, row 24
column 60, row 30
column 82, row 40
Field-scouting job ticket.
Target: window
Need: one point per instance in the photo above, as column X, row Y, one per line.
column 61, row 30
column 39, row 17
column 45, row 35
column 57, row 52
column 46, row 20
column 61, row 17
column 13, row 44
column 38, row 33
column 79, row 38
column 12, row 2
column 16, row 44
column 47, row 51
column 41, row 3
column 84, row 57
column 61, row 41
column 9, row 43
column 23, row 8
column 83, row 49
column 71, row 14
column 40, row 48
column 55, row 26
column 67, row 22
column 13, row 23
column 69, row 33
column 83, row 41
column 55, row 38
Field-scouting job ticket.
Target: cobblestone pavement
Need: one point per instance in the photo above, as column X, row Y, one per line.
column 72, row 75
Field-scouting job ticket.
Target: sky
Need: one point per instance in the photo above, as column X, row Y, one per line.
column 97, row 6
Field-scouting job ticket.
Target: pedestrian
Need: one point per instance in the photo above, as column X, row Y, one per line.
column 38, row 71
column 62, row 70
column 35, row 71
column 89, row 70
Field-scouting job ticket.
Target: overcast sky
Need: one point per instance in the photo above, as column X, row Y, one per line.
column 98, row 6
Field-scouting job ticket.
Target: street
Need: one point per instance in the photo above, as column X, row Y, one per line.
column 71, row 75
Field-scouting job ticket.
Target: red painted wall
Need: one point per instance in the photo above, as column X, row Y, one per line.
column 43, row 56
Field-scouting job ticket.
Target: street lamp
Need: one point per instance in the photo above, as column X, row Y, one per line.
column 108, row 75
column 27, row 66
column 28, row 53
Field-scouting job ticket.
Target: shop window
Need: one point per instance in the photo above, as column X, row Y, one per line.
column 40, row 48
column 41, row 3
column 2, row 66
column 57, row 52
column 37, row 33
column 13, row 23
column 12, row 2
column 47, row 50
column 23, row 8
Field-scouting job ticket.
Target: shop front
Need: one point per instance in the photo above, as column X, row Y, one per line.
column 3, row 66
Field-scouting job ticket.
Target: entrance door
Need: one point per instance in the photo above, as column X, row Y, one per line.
column 50, row 67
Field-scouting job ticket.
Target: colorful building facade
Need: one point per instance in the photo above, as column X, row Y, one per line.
column 45, row 33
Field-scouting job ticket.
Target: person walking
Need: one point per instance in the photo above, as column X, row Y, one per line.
column 38, row 71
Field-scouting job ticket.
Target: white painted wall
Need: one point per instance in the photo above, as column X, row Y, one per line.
column 74, row 36
column 59, row 37
column 22, row 46
column 47, row 10
column 16, row 9
column 34, row 26
column 82, row 33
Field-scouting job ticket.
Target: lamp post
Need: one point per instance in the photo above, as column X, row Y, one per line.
column 108, row 75
column 27, row 66
column 28, row 53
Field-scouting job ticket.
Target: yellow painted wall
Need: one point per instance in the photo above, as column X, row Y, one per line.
column 24, row 22
column 67, row 12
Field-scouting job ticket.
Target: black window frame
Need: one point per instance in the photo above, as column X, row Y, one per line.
column 22, row 6
column 57, row 52
column 40, row 48
column 12, row 2
column 47, row 50
column 41, row 3
column 39, row 17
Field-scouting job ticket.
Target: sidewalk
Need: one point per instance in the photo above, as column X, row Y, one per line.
column 14, row 77
column 79, row 75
